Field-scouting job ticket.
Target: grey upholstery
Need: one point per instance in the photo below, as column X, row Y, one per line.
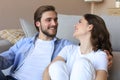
column 4, row 45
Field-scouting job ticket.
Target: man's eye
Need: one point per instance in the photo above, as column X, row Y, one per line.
column 48, row 20
column 56, row 19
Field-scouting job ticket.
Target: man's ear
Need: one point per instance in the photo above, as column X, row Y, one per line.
column 37, row 23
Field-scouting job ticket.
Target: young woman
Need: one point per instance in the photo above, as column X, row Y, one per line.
column 87, row 61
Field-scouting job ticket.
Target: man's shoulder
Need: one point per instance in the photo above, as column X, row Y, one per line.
column 25, row 40
column 29, row 39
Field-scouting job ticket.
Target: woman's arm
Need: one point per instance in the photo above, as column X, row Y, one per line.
column 101, row 62
column 46, row 72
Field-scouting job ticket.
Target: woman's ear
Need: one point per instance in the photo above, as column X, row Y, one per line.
column 90, row 27
column 37, row 23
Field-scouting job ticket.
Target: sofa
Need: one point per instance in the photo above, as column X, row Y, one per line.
column 66, row 28
column 4, row 45
column 8, row 37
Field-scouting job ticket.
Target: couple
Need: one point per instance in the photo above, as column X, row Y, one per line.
column 29, row 57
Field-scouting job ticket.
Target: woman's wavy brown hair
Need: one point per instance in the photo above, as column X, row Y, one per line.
column 100, row 37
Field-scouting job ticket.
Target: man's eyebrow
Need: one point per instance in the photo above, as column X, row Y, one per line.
column 52, row 18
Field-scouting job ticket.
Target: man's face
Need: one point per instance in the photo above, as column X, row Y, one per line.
column 48, row 24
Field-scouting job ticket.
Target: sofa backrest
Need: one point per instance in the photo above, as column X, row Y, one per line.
column 66, row 28
column 67, row 22
column 113, row 25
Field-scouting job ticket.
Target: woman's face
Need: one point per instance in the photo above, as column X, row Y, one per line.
column 81, row 28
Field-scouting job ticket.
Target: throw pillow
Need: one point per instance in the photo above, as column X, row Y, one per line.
column 12, row 35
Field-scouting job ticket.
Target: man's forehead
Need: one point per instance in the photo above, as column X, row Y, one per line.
column 49, row 14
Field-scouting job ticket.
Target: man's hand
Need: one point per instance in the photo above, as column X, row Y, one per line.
column 110, row 59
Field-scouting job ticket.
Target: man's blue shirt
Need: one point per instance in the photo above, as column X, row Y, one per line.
column 17, row 53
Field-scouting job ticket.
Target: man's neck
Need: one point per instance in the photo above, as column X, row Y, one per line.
column 46, row 38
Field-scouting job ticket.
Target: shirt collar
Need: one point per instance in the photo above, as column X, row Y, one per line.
column 36, row 36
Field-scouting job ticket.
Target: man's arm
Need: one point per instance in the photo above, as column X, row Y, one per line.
column 101, row 75
column 4, row 62
column 110, row 59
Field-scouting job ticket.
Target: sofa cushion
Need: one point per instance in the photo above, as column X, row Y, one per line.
column 66, row 26
column 28, row 28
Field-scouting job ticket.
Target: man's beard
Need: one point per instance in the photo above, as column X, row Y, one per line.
column 47, row 33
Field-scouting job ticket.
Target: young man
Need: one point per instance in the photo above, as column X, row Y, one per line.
column 30, row 56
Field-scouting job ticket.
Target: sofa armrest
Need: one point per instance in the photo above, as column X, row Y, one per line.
column 114, row 73
column 4, row 45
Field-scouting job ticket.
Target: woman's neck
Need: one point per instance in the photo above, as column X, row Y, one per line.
column 86, row 46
